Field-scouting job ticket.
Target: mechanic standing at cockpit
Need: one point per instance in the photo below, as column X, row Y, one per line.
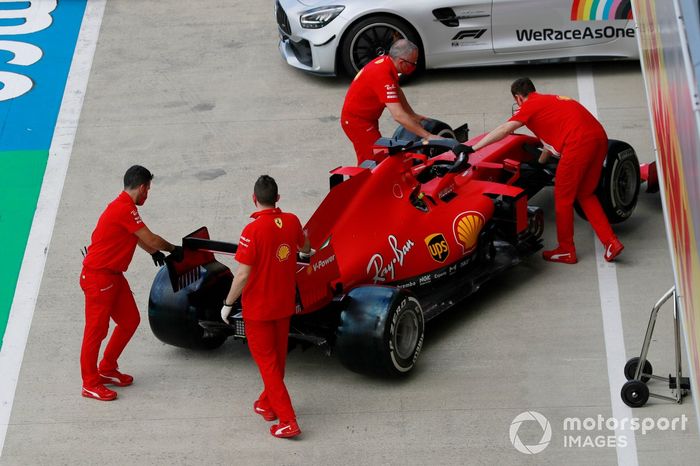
column 266, row 279
column 567, row 129
column 377, row 86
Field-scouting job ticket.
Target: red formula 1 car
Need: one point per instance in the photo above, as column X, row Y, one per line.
column 398, row 241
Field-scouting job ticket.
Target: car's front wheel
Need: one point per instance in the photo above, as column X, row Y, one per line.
column 618, row 188
column 372, row 37
column 381, row 331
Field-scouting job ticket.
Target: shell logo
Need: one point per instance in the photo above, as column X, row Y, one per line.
column 283, row 252
column 466, row 228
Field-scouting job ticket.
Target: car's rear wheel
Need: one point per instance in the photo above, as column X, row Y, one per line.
column 380, row 331
column 174, row 316
column 372, row 37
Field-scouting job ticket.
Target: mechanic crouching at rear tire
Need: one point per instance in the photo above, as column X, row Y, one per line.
column 377, row 86
column 266, row 280
column 566, row 128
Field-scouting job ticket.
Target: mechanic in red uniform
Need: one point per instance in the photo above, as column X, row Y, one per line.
column 107, row 293
column 377, row 86
column 266, row 278
column 566, row 129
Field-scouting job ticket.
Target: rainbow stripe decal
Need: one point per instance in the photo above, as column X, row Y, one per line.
column 601, row 10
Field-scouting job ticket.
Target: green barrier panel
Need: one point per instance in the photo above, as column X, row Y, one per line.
column 21, row 175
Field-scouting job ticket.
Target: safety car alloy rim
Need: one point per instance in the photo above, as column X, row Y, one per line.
column 372, row 41
column 406, row 336
column 625, row 183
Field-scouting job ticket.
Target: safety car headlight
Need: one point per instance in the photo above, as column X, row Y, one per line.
column 317, row 18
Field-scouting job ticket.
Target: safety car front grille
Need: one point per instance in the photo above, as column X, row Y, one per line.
column 282, row 20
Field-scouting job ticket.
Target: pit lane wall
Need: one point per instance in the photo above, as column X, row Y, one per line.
column 669, row 39
column 37, row 40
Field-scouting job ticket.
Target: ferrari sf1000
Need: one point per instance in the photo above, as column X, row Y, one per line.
column 398, row 241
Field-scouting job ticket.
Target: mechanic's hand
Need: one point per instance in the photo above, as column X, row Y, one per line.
column 158, row 258
column 177, row 254
column 225, row 311
column 468, row 149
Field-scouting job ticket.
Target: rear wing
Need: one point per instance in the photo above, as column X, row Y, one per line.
column 198, row 251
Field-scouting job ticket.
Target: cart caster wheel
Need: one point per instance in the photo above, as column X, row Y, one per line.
column 631, row 369
column 635, row 393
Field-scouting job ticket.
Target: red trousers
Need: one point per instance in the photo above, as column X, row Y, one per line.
column 363, row 134
column 107, row 295
column 267, row 340
column 577, row 178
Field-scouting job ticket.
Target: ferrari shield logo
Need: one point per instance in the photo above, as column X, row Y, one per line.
column 278, row 222
column 466, row 228
column 283, row 252
column 437, row 247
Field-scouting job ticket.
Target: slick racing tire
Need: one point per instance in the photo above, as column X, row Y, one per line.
column 372, row 37
column 380, row 332
column 174, row 316
column 618, row 189
column 431, row 125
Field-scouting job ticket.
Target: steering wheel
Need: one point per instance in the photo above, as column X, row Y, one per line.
column 443, row 167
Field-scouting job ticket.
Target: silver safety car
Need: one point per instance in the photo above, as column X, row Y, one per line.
column 329, row 37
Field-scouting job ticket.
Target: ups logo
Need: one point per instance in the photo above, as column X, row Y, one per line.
column 437, row 247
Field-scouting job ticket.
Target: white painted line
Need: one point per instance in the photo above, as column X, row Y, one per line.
column 32, row 270
column 610, row 306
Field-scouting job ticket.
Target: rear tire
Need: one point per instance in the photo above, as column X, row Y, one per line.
column 380, row 332
column 174, row 317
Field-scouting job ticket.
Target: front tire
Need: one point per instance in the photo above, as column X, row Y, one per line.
column 372, row 37
column 381, row 331
column 431, row 125
column 618, row 188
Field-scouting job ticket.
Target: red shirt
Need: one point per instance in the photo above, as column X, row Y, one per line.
column 113, row 241
column 558, row 120
column 269, row 245
column 376, row 85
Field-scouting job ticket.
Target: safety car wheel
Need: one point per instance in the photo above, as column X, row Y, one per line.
column 631, row 369
column 174, row 316
column 635, row 393
column 380, row 332
column 373, row 37
column 618, row 189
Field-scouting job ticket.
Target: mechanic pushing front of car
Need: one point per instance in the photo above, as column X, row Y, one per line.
column 266, row 279
column 377, row 86
column 571, row 132
column 107, row 293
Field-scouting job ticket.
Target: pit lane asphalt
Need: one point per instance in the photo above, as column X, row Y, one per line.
column 199, row 94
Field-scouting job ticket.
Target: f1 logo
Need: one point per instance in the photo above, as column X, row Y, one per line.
column 469, row 33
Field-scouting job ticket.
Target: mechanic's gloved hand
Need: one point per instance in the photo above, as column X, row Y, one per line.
column 177, row 254
column 158, row 258
column 225, row 311
column 468, row 149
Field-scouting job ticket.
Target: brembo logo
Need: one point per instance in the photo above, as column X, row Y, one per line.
column 469, row 33
column 437, row 247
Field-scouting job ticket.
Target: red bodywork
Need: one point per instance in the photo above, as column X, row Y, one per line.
column 369, row 230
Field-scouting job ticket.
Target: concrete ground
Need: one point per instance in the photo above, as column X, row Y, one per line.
column 199, row 95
